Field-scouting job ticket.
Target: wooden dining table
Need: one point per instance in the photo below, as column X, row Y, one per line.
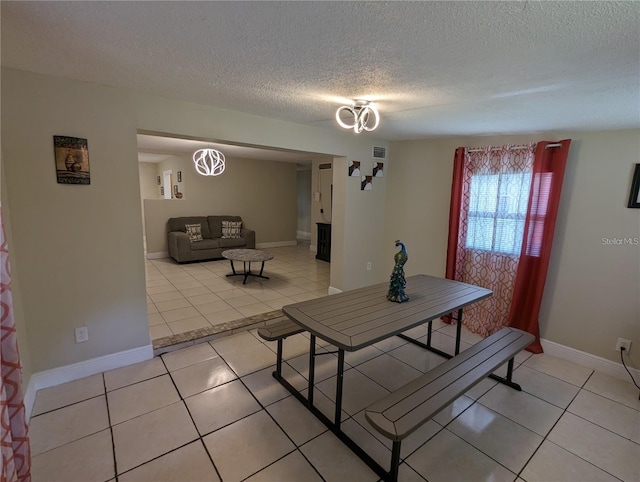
column 358, row 318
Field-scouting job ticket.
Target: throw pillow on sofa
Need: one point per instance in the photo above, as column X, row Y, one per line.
column 194, row 231
column 231, row 229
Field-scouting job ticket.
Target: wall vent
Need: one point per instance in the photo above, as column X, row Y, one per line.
column 379, row 152
column 326, row 165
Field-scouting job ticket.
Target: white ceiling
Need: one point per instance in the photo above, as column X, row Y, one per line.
column 434, row 68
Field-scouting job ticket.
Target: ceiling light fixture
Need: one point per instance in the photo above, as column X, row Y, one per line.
column 362, row 116
column 209, row 162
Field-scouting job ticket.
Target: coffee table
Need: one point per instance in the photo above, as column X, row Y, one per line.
column 247, row 256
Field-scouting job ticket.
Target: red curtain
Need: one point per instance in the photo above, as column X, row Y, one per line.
column 488, row 207
column 454, row 211
column 544, row 198
column 515, row 269
column 14, row 445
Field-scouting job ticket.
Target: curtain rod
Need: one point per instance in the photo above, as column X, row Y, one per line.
column 513, row 148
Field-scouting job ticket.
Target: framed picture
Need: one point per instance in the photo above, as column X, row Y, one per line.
column 72, row 160
column 175, row 189
column 366, row 183
column 354, row 169
column 159, row 181
column 634, row 195
column 179, row 176
column 162, row 190
column 378, row 169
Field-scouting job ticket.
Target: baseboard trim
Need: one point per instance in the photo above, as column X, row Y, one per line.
column 276, row 244
column 75, row 371
column 159, row 255
column 334, row 291
column 588, row 360
column 303, row 235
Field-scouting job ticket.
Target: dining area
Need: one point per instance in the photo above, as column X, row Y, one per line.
column 357, row 319
column 215, row 412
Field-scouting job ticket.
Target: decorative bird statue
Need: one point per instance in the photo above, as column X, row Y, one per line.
column 397, row 284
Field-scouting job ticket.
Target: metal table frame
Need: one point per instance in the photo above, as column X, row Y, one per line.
column 302, row 313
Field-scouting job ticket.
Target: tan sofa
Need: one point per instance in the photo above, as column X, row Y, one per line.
column 212, row 245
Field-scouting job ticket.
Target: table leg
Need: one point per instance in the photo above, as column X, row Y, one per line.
column 233, row 269
column 334, row 426
column 339, row 381
column 246, row 273
column 261, row 269
column 458, row 331
column 312, row 368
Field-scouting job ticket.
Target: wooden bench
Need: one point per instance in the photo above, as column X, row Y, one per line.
column 278, row 331
column 401, row 412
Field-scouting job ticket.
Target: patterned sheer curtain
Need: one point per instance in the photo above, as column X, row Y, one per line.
column 16, row 457
column 488, row 213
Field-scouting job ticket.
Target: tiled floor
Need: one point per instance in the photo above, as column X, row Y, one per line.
column 186, row 297
column 213, row 412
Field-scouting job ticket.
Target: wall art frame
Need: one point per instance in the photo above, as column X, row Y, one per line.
column 71, row 156
column 634, row 195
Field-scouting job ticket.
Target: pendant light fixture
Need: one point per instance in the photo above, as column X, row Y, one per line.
column 361, row 116
column 209, row 162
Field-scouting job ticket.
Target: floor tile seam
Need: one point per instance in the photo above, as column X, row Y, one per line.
column 546, row 436
column 518, row 423
column 569, row 451
column 557, row 378
column 611, row 399
column 602, row 427
column 32, row 417
column 183, row 401
column 158, row 457
column 538, row 396
column 273, row 419
column 113, row 440
column 76, row 440
column 475, row 448
column 135, row 383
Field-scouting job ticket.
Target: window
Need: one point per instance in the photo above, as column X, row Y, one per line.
column 497, row 211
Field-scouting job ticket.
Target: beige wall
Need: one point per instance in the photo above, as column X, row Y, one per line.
column 19, row 320
column 148, row 172
column 263, row 193
column 303, row 193
column 592, row 295
column 77, row 250
column 78, row 256
column 149, row 188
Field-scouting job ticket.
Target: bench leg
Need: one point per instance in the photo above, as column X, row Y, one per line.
column 395, row 461
column 510, row 370
column 507, row 381
column 279, row 358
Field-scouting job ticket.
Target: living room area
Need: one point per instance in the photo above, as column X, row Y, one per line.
column 277, row 195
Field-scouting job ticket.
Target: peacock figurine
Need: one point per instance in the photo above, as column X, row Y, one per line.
column 397, row 284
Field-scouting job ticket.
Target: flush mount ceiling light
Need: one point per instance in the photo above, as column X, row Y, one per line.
column 209, row 162
column 361, row 116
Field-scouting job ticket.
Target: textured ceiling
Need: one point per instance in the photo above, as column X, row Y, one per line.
column 434, row 68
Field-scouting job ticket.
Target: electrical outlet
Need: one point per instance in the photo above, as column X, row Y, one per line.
column 369, row 266
column 622, row 343
column 82, row 334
